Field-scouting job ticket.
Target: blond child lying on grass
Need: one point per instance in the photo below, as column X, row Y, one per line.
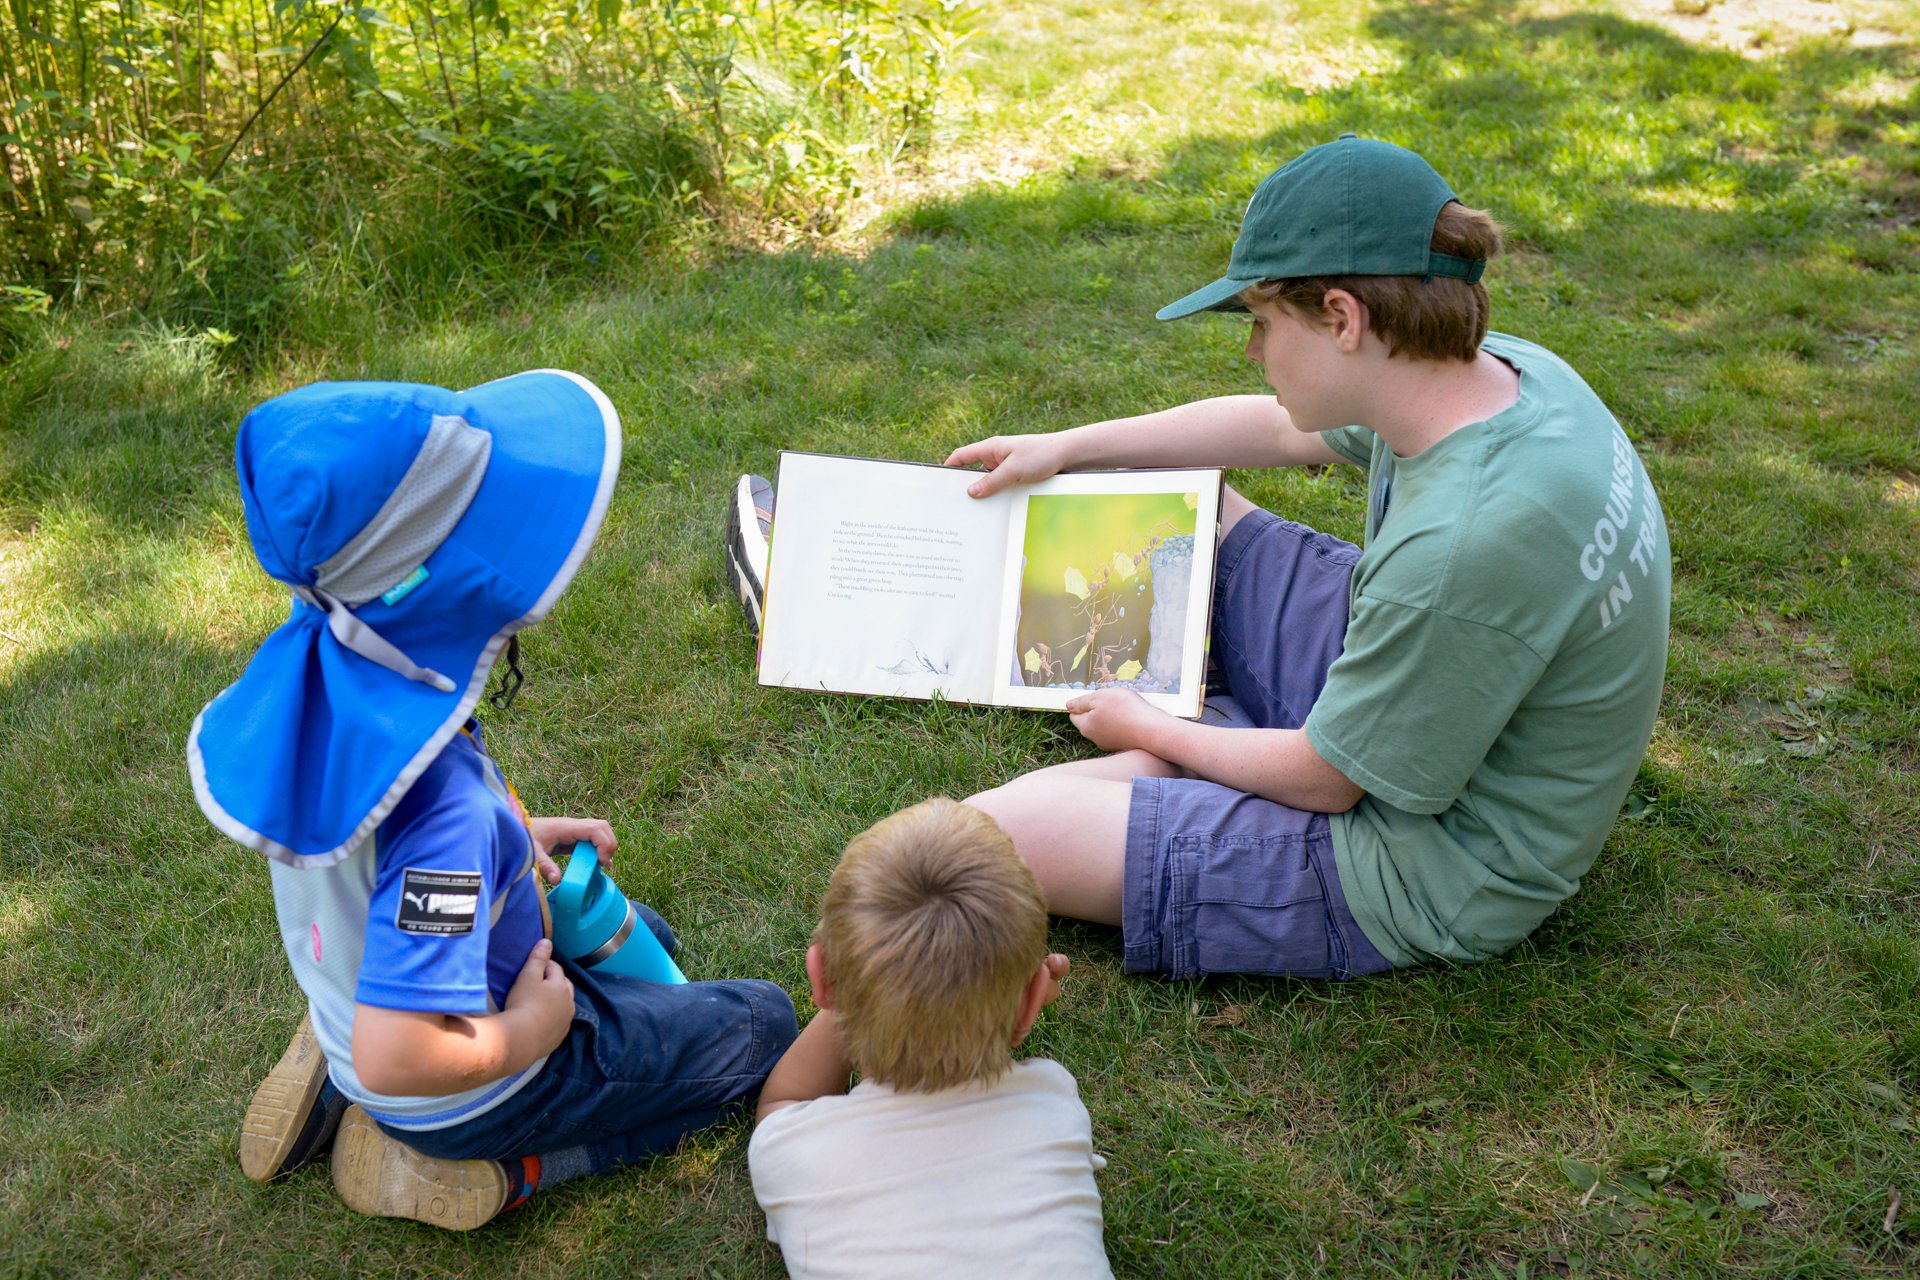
column 948, row 1158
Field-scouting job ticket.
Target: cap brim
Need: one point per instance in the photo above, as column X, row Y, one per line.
column 1218, row 296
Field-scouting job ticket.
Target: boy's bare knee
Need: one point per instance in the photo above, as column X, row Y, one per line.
column 994, row 803
column 1144, row 764
column 982, row 800
column 1233, row 508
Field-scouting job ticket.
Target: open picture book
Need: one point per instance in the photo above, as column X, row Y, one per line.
column 886, row 579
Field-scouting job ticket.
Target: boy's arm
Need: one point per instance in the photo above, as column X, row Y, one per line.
column 814, row 1066
column 1277, row 764
column 404, row 1053
column 1225, row 431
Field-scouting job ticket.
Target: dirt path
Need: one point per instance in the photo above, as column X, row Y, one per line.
column 1759, row 27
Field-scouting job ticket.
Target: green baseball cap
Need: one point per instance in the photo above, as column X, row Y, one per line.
column 1352, row 207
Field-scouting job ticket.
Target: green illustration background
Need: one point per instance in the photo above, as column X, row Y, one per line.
column 1084, row 532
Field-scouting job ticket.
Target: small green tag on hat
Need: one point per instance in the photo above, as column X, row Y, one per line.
column 399, row 591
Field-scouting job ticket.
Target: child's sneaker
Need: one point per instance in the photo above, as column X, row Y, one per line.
column 293, row 1113
column 749, row 525
column 385, row 1178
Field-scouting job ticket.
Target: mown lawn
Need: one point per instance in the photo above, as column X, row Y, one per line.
column 1707, row 1063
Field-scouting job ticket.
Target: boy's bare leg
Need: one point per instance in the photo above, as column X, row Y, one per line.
column 1121, row 766
column 1069, row 823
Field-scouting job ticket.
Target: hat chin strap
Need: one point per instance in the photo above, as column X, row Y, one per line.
column 356, row 635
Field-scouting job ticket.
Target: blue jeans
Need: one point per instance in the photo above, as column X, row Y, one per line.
column 644, row 1065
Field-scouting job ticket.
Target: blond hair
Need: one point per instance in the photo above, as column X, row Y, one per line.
column 930, row 930
column 1439, row 318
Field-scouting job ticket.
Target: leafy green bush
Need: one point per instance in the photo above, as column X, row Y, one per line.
column 215, row 158
column 570, row 161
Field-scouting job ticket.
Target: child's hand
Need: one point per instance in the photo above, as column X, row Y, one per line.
column 1041, row 990
column 1011, row 460
column 543, row 995
column 1115, row 719
column 562, row 833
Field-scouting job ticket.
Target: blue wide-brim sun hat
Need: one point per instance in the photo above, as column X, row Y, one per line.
column 418, row 529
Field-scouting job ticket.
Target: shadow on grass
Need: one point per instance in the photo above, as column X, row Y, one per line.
column 1607, row 143
column 145, row 925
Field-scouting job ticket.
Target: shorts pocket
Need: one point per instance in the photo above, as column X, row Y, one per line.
column 1252, row 905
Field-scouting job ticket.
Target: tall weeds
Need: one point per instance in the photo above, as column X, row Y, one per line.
column 210, row 156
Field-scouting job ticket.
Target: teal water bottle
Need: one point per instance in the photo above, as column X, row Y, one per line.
column 597, row 928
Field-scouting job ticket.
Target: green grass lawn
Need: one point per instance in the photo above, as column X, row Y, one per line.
column 1707, row 1063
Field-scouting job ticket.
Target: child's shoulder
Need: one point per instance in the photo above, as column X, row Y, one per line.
column 458, row 784
column 1031, row 1081
column 458, row 818
column 1043, row 1075
column 1036, row 1100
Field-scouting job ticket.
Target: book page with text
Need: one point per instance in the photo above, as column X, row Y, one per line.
column 884, row 579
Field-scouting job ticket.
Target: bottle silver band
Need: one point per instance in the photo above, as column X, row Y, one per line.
column 606, row 949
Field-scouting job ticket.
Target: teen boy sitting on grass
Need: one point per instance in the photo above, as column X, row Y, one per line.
column 1430, row 739
column 419, row 530
column 948, row 1158
column 1425, row 743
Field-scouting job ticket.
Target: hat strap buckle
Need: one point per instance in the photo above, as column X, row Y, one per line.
column 1455, row 267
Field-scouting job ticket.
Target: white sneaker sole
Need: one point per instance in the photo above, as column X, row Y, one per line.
column 746, row 570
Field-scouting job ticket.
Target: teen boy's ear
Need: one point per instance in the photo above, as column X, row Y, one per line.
column 817, row 977
column 1346, row 318
column 1042, row 989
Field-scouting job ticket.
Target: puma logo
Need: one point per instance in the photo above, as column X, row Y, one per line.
column 438, row 902
column 443, row 904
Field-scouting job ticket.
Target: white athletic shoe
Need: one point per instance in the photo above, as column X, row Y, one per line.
column 749, row 529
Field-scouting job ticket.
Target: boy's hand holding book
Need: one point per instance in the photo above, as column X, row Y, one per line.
column 1009, row 460
column 1114, row 719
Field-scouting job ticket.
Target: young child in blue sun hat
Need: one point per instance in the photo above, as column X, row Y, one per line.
column 450, row 1059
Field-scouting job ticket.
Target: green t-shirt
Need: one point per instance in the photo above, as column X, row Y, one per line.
column 1506, row 644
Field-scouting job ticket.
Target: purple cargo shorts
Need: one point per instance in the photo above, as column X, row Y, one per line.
column 1220, row 881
